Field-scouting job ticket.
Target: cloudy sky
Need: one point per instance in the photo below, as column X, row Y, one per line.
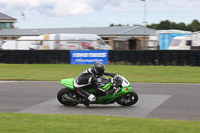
column 97, row 13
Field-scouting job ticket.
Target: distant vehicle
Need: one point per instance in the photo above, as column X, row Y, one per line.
column 70, row 42
column 22, row 43
column 181, row 43
column 166, row 36
column 8, row 45
column 186, row 42
column 1, row 44
column 196, row 39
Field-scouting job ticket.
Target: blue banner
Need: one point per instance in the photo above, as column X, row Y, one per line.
column 89, row 56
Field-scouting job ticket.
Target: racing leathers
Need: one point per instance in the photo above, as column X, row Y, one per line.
column 88, row 80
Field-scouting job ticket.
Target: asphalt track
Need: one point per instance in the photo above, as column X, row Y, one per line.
column 168, row 101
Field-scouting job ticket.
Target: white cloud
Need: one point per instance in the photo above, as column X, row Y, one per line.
column 68, row 7
column 53, row 7
column 105, row 11
column 172, row 4
column 78, row 7
column 25, row 4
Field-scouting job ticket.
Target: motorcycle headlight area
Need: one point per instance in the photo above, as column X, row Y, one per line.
column 118, row 80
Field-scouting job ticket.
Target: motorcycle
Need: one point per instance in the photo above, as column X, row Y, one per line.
column 120, row 91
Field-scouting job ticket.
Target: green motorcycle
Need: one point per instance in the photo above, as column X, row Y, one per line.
column 120, row 91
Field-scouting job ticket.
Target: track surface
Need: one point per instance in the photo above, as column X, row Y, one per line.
column 169, row 101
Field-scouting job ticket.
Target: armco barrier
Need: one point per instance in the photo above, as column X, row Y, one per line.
column 135, row 57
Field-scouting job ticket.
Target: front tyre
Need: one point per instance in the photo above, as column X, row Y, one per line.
column 128, row 99
column 62, row 97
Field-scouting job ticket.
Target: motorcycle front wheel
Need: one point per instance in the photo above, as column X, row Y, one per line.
column 128, row 99
column 62, row 97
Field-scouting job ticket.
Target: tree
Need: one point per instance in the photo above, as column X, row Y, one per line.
column 166, row 25
column 111, row 25
column 181, row 26
column 194, row 26
column 153, row 26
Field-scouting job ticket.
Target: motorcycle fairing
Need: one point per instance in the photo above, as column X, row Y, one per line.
column 69, row 82
column 104, row 99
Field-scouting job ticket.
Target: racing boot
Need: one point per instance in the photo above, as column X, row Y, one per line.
column 87, row 101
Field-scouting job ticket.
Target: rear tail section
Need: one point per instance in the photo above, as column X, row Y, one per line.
column 68, row 83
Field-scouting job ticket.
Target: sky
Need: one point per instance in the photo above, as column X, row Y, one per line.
column 97, row 13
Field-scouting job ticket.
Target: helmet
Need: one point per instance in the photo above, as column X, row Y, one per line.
column 98, row 68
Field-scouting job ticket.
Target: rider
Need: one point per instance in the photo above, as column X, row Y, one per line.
column 88, row 79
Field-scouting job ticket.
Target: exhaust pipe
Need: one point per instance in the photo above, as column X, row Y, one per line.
column 72, row 99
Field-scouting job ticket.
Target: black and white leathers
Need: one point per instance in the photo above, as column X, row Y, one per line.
column 88, row 80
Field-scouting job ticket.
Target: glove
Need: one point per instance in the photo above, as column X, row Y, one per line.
column 116, row 76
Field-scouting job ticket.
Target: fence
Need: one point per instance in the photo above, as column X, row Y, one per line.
column 157, row 57
column 135, row 57
column 34, row 56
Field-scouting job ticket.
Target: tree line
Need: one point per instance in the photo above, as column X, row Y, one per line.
column 166, row 25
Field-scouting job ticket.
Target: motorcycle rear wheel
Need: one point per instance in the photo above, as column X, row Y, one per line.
column 62, row 94
column 128, row 99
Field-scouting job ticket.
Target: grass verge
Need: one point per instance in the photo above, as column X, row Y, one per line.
column 55, row 72
column 37, row 123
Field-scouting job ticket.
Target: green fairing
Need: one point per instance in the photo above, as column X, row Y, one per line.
column 68, row 82
column 107, row 86
column 112, row 98
column 105, row 99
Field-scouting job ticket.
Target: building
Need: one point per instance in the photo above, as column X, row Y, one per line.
column 134, row 37
column 6, row 22
column 118, row 37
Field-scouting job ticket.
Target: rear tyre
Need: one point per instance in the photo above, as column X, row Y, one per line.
column 128, row 99
column 66, row 92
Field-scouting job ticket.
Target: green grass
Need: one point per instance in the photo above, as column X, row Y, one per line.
column 32, row 123
column 55, row 72
column 37, row 123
